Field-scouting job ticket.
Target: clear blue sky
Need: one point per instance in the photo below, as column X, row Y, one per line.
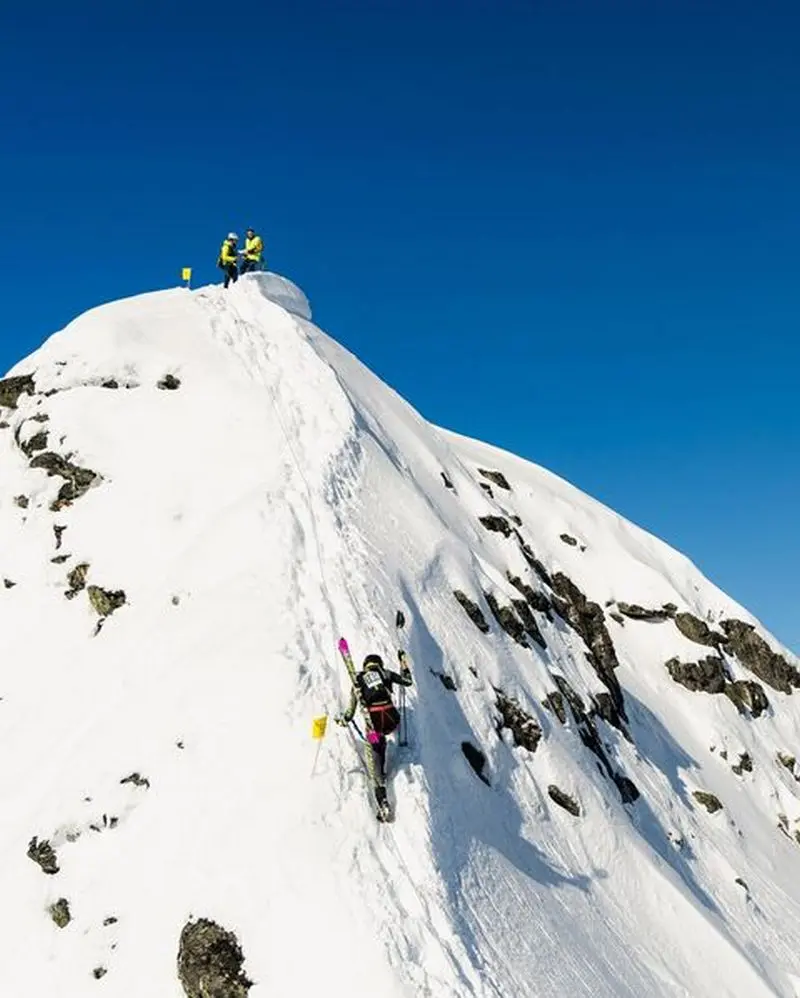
column 569, row 228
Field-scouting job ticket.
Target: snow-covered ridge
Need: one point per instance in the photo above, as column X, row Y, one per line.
column 200, row 492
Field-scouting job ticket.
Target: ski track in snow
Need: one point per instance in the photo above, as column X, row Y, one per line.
column 285, row 496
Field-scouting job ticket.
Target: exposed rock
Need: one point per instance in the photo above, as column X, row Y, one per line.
column 788, row 761
column 43, row 854
column 588, row 734
column 8, row 583
column 36, row 443
column 606, row 708
column 76, row 580
column 697, row 630
column 111, row 383
column 670, row 608
column 742, row 884
column 210, row 962
column 499, row 524
column 12, row 388
column 77, row 481
column 536, row 600
column 708, row 675
column 619, row 619
column 169, row 382
column 59, row 912
column 497, row 477
column 529, row 622
column 711, row 803
column 554, row 702
column 487, row 489
column 58, row 530
column 783, row 824
column 472, row 610
column 564, row 800
column 628, row 790
column 748, row 696
column 447, row 681
column 507, row 619
column 744, row 765
column 636, row 612
column 105, row 601
column 523, row 726
column 447, row 483
column 99, row 972
column 39, row 417
column 756, row 655
column 567, row 539
column 533, row 561
column 476, row 759
column 111, row 920
column 60, row 559
column 22, row 501
column 3, row 424
column 588, row 620
column 137, row 780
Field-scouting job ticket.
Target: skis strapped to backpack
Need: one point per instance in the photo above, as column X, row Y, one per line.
column 382, row 809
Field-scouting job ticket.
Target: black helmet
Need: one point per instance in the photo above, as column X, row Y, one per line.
column 373, row 662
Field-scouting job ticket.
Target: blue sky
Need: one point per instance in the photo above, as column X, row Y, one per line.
column 569, row 228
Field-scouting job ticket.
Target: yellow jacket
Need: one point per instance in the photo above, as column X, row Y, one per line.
column 228, row 252
column 253, row 248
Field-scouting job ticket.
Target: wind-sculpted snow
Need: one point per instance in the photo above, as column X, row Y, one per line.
column 249, row 493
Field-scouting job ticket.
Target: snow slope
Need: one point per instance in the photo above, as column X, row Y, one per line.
column 271, row 495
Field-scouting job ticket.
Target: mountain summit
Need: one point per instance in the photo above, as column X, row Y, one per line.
column 200, row 493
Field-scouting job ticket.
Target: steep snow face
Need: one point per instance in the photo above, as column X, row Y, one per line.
column 200, row 493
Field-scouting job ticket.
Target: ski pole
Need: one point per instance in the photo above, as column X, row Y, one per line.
column 400, row 623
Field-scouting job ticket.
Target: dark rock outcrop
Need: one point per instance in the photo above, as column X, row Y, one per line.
column 12, row 388
column 524, row 727
column 22, row 501
column 636, row 612
column 536, row 600
column 711, row 803
column 554, row 702
column 210, row 962
column 744, row 765
column 564, row 800
column 447, row 483
column 756, row 655
column 447, row 681
column 169, row 383
column 697, row 630
column 76, row 580
column 497, row 477
column 529, row 622
column 476, row 759
column 568, row 539
column 587, row 620
column 105, row 601
column 747, row 696
column 77, row 481
column 137, row 780
column 709, row 675
column 533, row 561
column 60, row 913
column 507, row 619
column 43, row 854
column 36, row 443
column 472, row 610
column 487, row 489
column 498, row 524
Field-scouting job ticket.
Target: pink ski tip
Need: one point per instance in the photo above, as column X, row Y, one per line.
column 343, row 645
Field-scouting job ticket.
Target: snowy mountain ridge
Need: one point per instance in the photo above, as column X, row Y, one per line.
column 201, row 492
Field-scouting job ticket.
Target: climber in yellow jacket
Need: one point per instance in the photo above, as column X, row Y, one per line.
column 253, row 252
column 228, row 259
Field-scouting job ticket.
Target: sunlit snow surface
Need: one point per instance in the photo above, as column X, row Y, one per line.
column 281, row 496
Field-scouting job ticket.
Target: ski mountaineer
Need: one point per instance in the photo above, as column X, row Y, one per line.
column 228, row 257
column 372, row 688
column 253, row 251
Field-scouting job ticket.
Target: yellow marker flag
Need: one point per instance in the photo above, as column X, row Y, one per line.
column 319, row 727
column 186, row 274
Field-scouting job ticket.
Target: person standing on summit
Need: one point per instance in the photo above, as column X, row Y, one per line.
column 228, row 259
column 253, row 252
